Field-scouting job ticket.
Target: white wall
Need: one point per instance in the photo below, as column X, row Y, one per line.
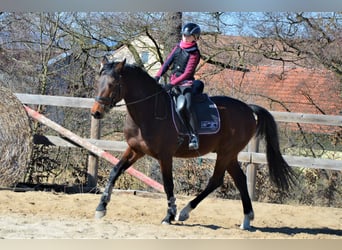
column 144, row 46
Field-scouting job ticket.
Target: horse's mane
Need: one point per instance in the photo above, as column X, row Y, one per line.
column 132, row 70
column 135, row 69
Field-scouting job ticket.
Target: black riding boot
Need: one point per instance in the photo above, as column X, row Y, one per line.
column 193, row 140
column 190, row 118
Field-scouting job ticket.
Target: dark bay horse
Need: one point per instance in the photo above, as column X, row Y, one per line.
column 148, row 133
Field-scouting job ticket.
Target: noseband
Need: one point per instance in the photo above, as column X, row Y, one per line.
column 109, row 101
column 105, row 101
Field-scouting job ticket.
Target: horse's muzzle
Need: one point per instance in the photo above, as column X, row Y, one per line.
column 97, row 115
column 97, row 111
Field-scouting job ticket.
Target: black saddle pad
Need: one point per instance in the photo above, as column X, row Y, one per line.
column 208, row 117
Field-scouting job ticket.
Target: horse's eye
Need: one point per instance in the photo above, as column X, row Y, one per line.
column 111, row 85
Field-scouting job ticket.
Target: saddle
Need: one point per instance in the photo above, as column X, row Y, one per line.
column 208, row 117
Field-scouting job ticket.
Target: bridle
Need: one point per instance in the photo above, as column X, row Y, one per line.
column 109, row 101
column 140, row 100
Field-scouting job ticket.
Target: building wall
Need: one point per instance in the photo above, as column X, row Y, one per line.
column 146, row 51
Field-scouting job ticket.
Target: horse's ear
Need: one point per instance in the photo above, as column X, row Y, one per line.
column 119, row 67
column 103, row 62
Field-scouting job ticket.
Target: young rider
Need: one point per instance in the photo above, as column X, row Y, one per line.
column 183, row 61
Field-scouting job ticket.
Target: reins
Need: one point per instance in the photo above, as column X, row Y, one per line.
column 138, row 101
column 104, row 99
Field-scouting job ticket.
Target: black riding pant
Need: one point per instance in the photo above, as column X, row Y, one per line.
column 187, row 92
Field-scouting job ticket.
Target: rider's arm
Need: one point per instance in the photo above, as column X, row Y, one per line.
column 166, row 65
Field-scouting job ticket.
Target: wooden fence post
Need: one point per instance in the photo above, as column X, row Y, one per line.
column 253, row 146
column 93, row 160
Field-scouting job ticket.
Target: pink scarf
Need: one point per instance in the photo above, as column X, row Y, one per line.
column 186, row 45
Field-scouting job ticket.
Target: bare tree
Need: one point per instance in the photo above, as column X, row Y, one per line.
column 171, row 32
column 305, row 39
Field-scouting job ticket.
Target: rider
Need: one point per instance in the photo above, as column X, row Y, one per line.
column 183, row 61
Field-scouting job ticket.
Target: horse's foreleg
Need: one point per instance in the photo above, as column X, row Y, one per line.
column 171, row 211
column 240, row 182
column 128, row 158
column 105, row 198
column 166, row 170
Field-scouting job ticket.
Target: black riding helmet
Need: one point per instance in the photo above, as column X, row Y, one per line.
column 191, row 29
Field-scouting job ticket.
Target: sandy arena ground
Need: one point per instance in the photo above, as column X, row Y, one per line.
column 49, row 215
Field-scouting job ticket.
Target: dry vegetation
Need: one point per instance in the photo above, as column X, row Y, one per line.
column 30, row 40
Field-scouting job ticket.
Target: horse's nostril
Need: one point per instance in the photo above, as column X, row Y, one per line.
column 97, row 115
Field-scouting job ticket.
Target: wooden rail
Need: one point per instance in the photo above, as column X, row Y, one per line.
column 252, row 156
column 249, row 157
column 75, row 102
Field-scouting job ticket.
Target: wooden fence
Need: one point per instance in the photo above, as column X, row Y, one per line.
column 252, row 156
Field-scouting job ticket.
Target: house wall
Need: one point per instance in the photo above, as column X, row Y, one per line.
column 146, row 51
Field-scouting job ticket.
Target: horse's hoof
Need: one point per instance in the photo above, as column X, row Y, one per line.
column 100, row 214
column 246, row 224
column 182, row 216
column 167, row 220
column 164, row 222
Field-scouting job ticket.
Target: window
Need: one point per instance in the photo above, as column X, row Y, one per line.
column 144, row 57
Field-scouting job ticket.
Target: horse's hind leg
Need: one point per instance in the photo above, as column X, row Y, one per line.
column 215, row 181
column 240, row 182
column 128, row 158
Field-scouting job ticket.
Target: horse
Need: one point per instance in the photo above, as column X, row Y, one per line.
column 149, row 134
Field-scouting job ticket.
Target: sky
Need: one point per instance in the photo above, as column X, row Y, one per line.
column 175, row 5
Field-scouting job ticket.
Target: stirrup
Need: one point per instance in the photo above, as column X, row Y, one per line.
column 193, row 144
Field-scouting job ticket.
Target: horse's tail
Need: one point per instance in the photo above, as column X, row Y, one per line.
column 280, row 172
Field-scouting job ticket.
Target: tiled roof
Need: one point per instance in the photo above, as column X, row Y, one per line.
column 279, row 89
column 295, row 89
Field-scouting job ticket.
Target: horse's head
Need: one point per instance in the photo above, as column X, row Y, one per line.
column 109, row 91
